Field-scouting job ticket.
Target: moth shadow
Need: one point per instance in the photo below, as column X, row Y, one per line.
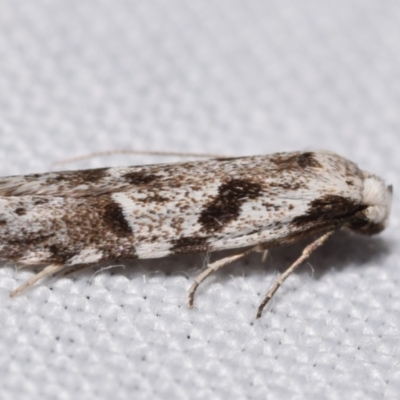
column 340, row 251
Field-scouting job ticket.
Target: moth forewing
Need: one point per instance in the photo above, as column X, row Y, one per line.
column 72, row 218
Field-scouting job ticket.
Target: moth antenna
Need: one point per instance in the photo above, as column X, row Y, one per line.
column 135, row 152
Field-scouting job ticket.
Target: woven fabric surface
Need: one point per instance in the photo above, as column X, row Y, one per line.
column 220, row 77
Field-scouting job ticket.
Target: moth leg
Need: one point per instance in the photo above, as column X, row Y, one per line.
column 75, row 269
column 264, row 256
column 49, row 270
column 215, row 266
column 260, row 248
column 278, row 282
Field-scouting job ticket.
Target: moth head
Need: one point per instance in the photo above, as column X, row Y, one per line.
column 377, row 197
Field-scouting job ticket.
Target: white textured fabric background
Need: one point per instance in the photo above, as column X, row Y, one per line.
column 218, row 76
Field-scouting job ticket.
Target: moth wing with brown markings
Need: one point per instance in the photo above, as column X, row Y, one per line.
column 70, row 219
column 76, row 217
column 93, row 182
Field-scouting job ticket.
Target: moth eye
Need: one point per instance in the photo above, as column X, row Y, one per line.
column 366, row 227
column 358, row 224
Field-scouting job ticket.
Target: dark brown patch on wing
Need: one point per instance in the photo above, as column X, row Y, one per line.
column 329, row 209
column 139, row 177
column 226, row 206
column 187, row 244
column 115, row 219
column 289, row 161
column 308, row 160
column 72, row 178
column 40, row 201
column 282, row 159
column 94, row 175
column 71, row 226
column 60, row 254
column 20, row 211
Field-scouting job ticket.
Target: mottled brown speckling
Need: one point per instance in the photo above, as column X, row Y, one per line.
column 77, row 217
column 329, row 209
column 226, row 205
column 189, row 245
column 139, row 178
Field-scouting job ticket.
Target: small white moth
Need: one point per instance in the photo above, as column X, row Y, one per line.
column 69, row 220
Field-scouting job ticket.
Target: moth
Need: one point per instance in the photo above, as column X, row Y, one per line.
column 72, row 219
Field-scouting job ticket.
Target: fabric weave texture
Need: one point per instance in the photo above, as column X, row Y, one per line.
column 221, row 77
